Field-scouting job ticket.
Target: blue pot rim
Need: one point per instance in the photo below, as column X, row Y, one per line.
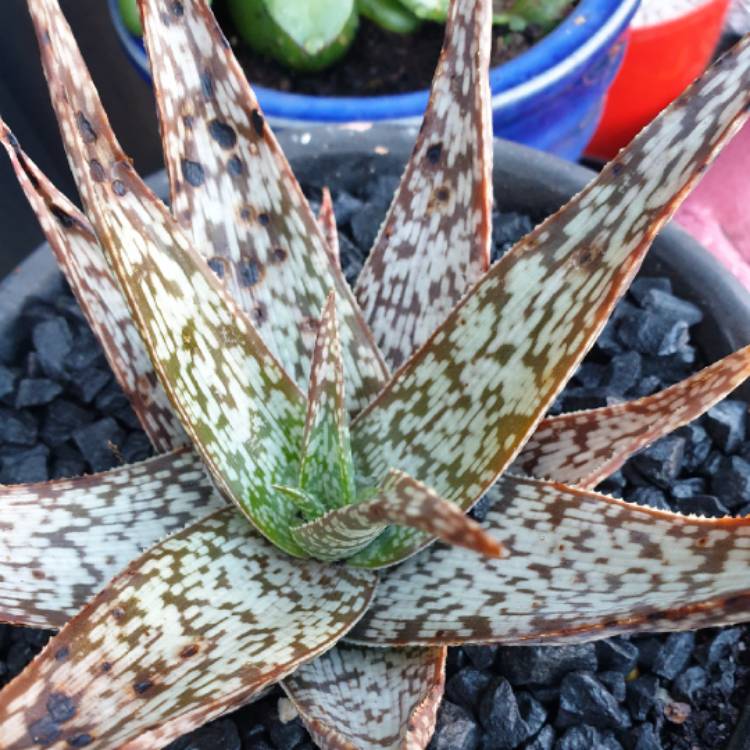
column 550, row 60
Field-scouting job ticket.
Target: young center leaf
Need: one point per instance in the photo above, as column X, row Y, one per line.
column 326, row 466
column 327, row 221
column 401, row 500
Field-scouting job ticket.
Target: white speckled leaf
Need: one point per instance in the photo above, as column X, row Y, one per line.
column 326, row 467
column 61, row 541
column 435, row 241
column 458, row 412
column 581, row 566
column 402, row 500
column 198, row 624
column 243, row 413
column 81, row 259
column 585, row 447
column 327, row 221
column 233, row 190
column 355, row 698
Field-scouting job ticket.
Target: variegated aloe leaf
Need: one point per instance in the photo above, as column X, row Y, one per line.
column 80, row 257
column 234, row 191
column 581, row 566
column 199, row 624
column 583, row 448
column 435, row 241
column 327, row 221
column 459, row 411
column 243, row 413
column 326, row 466
column 353, row 698
column 63, row 540
column 401, row 500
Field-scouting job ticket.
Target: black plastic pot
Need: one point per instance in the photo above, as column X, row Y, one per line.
column 526, row 181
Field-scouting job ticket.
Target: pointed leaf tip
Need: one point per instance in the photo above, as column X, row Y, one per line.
column 435, row 240
column 583, row 448
column 81, row 259
column 235, row 194
column 326, row 465
column 327, row 221
column 342, row 533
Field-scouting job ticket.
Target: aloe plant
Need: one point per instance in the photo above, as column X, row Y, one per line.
column 313, row 444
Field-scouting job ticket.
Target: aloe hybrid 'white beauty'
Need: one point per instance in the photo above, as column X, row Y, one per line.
column 314, row 441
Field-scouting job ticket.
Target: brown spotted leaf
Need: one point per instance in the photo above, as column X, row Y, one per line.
column 459, row 411
column 581, row 566
column 401, row 500
column 243, row 413
column 435, row 241
column 585, row 447
column 81, row 259
column 355, row 698
column 327, row 221
column 234, row 192
column 198, row 624
column 61, row 541
column 326, row 466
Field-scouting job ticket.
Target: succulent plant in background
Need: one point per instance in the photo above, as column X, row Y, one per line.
column 311, row 35
column 314, row 443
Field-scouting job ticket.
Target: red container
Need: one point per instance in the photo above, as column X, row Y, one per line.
column 661, row 60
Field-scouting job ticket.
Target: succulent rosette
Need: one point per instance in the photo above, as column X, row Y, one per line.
column 304, row 521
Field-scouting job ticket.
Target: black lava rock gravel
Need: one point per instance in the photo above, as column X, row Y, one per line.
column 62, row 414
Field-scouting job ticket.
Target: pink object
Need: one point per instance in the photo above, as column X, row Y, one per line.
column 717, row 213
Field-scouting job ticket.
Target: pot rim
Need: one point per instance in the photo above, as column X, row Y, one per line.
column 585, row 32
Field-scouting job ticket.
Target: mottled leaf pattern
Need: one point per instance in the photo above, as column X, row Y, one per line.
column 459, row 411
column 402, row 500
column 198, row 624
column 327, row 221
column 81, row 259
column 239, row 407
column 581, row 566
column 234, row 191
column 585, row 447
column 435, row 241
column 354, row 698
column 326, row 466
column 61, row 541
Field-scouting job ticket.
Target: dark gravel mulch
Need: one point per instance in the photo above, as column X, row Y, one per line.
column 61, row 414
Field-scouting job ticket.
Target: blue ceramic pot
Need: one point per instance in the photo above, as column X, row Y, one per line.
column 550, row 97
